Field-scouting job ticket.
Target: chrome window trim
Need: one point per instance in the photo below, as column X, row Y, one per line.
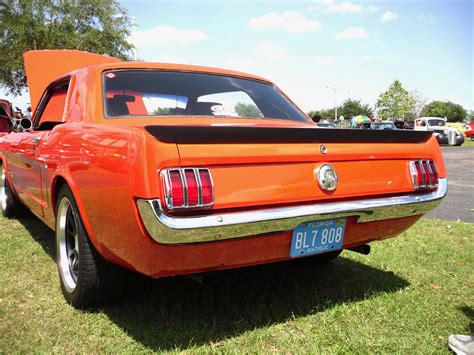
column 168, row 229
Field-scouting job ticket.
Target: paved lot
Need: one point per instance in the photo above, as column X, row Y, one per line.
column 459, row 204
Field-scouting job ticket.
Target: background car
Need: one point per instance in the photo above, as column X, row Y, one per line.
column 444, row 134
column 469, row 133
column 382, row 125
column 326, row 124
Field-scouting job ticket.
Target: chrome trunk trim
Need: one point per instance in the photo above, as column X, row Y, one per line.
column 168, row 229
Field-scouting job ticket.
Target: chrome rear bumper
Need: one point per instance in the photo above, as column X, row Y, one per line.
column 168, row 229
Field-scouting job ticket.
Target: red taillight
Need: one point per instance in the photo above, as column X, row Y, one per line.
column 207, row 187
column 187, row 188
column 193, row 190
column 420, row 178
column 428, row 173
column 434, row 171
column 424, row 174
column 177, row 190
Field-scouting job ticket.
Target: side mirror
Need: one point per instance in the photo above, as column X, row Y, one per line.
column 26, row 124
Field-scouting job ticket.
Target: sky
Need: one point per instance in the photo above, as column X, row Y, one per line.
column 357, row 47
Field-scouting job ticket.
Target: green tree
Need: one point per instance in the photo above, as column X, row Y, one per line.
column 453, row 112
column 247, row 110
column 420, row 102
column 470, row 116
column 396, row 102
column 99, row 26
column 161, row 111
column 354, row 107
column 347, row 108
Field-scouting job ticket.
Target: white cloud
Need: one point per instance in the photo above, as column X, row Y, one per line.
column 388, row 16
column 352, row 33
column 344, row 8
column 166, row 35
column 372, row 8
column 271, row 52
column 289, row 21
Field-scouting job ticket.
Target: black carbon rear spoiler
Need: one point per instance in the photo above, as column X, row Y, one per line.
column 246, row 134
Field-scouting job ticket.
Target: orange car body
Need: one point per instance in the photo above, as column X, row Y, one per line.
column 113, row 169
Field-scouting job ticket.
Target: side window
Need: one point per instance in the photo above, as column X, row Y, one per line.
column 52, row 113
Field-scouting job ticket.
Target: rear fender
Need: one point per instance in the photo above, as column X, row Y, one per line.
column 65, row 174
column 433, row 151
column 4, row 162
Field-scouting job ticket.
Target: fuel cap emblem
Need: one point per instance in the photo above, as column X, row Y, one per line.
column 327, row 177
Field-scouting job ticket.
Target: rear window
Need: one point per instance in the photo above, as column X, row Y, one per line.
column 165, row 93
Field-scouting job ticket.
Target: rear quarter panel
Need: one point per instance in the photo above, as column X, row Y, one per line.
column 107, row 167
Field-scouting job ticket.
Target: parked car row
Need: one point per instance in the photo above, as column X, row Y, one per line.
column 443, row 133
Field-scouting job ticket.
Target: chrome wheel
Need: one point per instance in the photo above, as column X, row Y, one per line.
column 3, row 189
column 67, row 244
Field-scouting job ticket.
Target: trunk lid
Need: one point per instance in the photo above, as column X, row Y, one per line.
column 266, row 163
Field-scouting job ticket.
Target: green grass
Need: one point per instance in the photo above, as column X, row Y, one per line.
column 407, row 297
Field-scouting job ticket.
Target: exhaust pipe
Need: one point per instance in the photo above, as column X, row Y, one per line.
column 361, row 249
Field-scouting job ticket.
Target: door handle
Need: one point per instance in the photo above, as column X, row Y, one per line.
column 36, row 140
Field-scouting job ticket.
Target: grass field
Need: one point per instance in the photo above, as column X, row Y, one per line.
column 468, row 143
column 406, row 297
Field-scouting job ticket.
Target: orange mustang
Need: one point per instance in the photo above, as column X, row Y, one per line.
column 170, row 169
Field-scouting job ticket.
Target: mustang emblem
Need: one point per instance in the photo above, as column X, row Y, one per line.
column 327, row 177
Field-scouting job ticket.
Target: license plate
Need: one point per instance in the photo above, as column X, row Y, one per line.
column 317, row 237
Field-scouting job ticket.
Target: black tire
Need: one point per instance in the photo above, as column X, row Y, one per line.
column 86, row 278
column 459, row 141
column 10, row 206
column 321, row 259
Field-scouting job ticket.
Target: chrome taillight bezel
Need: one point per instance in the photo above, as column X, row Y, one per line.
column 167, row 188
column 429, row 177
